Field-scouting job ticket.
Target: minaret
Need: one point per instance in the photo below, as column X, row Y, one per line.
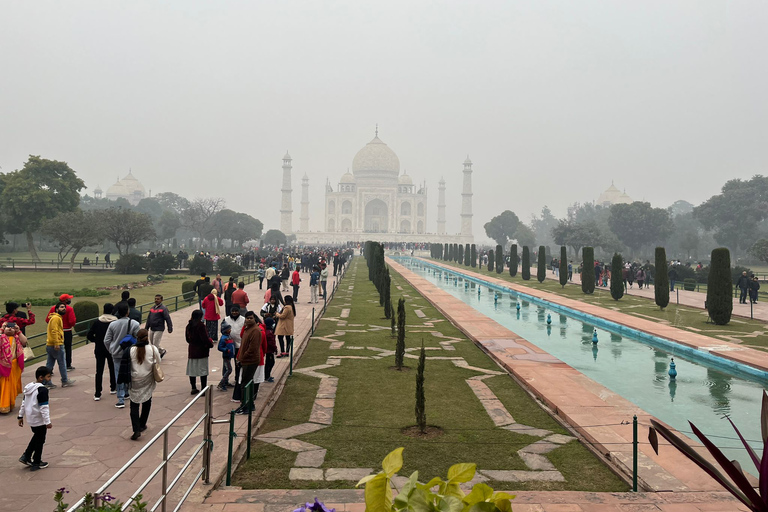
column 304, row 219
column 286, row 211
column 466, row 200
column 441, row 207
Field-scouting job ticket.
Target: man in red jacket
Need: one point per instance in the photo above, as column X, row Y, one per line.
column 69, row 321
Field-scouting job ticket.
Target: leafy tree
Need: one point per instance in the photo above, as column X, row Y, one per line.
column 174, row 202
column 467, row 255
column 40, row 190
column 473, row 256
column 392, row 327
column 526, row 268
column 541, row 269
column 720, row 287
column 502, row 227
column 588, row 270
column 491, row 260
column 577, row 234
column 421, row 411
column 126, row 228
column 759, row 250
column 168, row 224
column 525, row 236
column 513, row 260
column 638, row 224
column 681, row 207
column 400, row 347
column 151, row 206
column 563, row 266
column 91, row 203
column 74, row 231
column 199, row 217
column 617, row 282
column 237, row 227
column 542, row 226
column 661, row 279
column 499, row 259
column 274, row 237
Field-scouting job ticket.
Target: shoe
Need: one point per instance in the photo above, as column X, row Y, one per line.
column 51, row 386
column 39, row 465
column 162, row 353
column 242, row 412
column 96, row 398
column 221, row 388
column 285, row 354
column 142, row 429
column 120, row 405
column 271, row 379
column 68, row 383
column 112, row 391
column 70, row 368
column 194, row 391
column 135, row 436
column 24, row 460
column 235, row 401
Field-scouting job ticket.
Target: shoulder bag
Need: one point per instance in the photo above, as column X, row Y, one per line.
column 157, row 372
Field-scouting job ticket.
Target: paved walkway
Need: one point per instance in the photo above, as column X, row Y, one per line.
column 90, row 441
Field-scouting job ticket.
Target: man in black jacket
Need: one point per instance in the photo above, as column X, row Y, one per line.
column 158, row 318
column 743, row 284
column 96, row 336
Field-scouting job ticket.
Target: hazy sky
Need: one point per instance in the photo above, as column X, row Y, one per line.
column 551, row 100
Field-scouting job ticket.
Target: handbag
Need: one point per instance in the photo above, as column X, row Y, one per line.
column 157, row 372
column 28, row 353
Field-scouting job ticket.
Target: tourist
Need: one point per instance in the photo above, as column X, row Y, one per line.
column 271, row 308
column 35, row 408
column 54, row 344
column 314, row 279
column 236, row 321
column 143, row 358
column 12, row 343
column 261, row 273
column 97, row 258
column 108, row 259
column 229, row 289
column 754, row 287
column 285, row 276
column 12, row 314
column 251, row 357
column 295, row 280
column 117, row 331
column 68, row 321
column 96, row 335
column 218, row 284
column 640, row 277
column 284, row 329
column 324, row 280
column 269, row 329
column 200, row 282
column 124, row 296
column 570, row 270
column 743, row 284
column 672, row 278
column 270, row 273
column 133, row 313
column 199, row 345
column 227, row 349
column 240, row 298
column 212, row 308
column 157, row 319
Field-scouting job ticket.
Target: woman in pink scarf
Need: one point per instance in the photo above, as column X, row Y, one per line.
column 12, row 343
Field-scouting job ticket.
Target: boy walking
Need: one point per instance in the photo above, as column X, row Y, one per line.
column 158, row 318
column 35, row 408
column 227, row 349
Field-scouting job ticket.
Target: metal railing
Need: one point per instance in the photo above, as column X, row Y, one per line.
column 205, row 447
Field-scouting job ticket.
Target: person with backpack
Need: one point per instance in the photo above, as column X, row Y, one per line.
column 96, row 335
column 227, row 349
column 121, row 333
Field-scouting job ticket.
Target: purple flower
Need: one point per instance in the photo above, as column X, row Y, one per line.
column 317, row 506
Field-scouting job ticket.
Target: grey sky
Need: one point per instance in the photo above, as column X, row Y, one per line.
column 552, row 100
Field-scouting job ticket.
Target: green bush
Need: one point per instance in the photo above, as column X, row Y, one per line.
column 200, row 264
column 702, row 276
column 131, row 264
column 188, row 290
column 563, row 266
column 541, row 266
column 720, row 287
column 661, row 279
column 491, row 260
column 227, row 266
column 499, row 259
column 684, row 272
column 85, row 310
column 36, row 301
column 617, row 282
column 82, row 292
column 526, row 270
column 513, row 260
column 588, row 270
column 162, row 263
column 689, row 285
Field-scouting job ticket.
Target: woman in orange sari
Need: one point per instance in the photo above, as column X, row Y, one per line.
column 12, row 343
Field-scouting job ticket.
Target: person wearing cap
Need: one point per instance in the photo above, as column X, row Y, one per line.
column 227, row 349
column 13, row 315
column 68, row 321
column 54, row 345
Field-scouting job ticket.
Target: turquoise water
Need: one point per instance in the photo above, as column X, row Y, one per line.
column 701, row 393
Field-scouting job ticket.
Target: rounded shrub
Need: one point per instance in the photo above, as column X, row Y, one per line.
column 689, row 284
column 85, row 310
column 131, row 264
column 720, row 287
column 228, row 266
column 162, row 263
column 588, row 270
column 661, row 279
column 188, row 290
column 526, row 270
column 541, row 265
column 617, row 282
column 200, row 264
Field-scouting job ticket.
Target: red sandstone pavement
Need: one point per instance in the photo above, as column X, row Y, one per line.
column 90, row 441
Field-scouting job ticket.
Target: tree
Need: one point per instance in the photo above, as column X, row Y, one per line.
column 513, row 263
column 588, row 270
column 126, row 228
column 40, row 190
column 473, row 256
column 388, row 313
column 74, row 231
column 491, row 260
column 447, row 253
column 577, row 234
column 460, row 259
column 421, row 411
column 274, row 237
column 499, row 259
column 542, row 226
column 541, row 269
column 720, row 287
column 563, row 266
column 467, row 255
column 151, row 206
column 400, row 347
column 759, row 250
column 199, row 217
column 502, row 227
column 526, row 270
column 661, row 279
column 168, row 224
column 617, row 282
column 638, row 224
column 525, row 236
column 174, row 202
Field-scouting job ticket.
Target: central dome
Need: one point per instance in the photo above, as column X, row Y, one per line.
column 376, row 159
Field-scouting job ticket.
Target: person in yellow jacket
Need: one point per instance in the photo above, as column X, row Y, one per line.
column 54, row 346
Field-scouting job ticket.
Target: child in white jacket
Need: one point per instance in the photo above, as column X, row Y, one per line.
column 35, row 408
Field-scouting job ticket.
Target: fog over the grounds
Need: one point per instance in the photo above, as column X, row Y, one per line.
column 551, row 100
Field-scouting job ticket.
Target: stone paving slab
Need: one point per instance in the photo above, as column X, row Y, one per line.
column 296, row 430
column 310, row 459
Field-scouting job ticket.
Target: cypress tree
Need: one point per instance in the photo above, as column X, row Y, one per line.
column 526, row 270
column 661, row 279
column 446, row 253
column 720, row 287
column 541, row 269
column 386, row 295
column 513, row 260
column 461, row 254
column 473, row 256
column 400, row 347
column 588, row 270
column 421, row 411
column 617, row 282
column 392, row 326
column 563, row 266
column 467, row 257
column 499, row 259
column 491, row 260
column 456, row 253
column 450, row 252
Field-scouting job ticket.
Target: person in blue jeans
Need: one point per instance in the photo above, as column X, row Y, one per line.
column 54, row 346
column 116, row 331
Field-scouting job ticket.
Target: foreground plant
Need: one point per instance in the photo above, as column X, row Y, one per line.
column 418, row 497
column 107, row 503
column 317, row 506
column 737, row 482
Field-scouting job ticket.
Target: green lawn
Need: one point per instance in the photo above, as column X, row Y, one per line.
column 374, row 402
column 753, row 333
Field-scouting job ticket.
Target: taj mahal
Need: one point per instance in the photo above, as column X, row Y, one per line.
column 375, row 202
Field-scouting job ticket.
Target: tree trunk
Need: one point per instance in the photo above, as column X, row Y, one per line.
column 31, row 246
column 72, row 262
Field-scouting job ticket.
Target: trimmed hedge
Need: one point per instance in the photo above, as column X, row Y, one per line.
column 473, row 256
column 689, row 285
column 131, row 264
column 526, row 270
column 541, row 266
column 467, row 255
column 85, row 310
column 499, row 259
column 617, row 282
column 563, row 266
column 588, row 270
column 188, row 290
column 661, row 279
column 491, row 260
column 720, row 287
column 513, row 260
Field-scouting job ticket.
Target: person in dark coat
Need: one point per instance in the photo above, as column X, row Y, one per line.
column 96, row 336
column 199, row 346
column 743, row 284
column 754, row 287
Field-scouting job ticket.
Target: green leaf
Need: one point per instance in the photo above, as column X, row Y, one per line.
column 401, row 500
column 453, row 489
column 367, row 479
column 449, row 504
column 393, row 462
column 484, row 506
column 378, row 494
column 480, row 492
column 420, row 502
column 429, row 485
column 460, row 473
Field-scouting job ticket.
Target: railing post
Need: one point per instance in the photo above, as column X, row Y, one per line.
column 250, row 421
column 290, row 368
column 207, row 435
column 312, row 327
column 164, row 475
column 177, row 303
column 229, row 452
column 634, row 453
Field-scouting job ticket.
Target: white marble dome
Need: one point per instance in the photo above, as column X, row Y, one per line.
column 376, row 159
column 404, row 179
column 347, row 178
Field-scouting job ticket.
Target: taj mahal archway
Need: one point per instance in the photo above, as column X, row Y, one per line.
column 376, row 219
